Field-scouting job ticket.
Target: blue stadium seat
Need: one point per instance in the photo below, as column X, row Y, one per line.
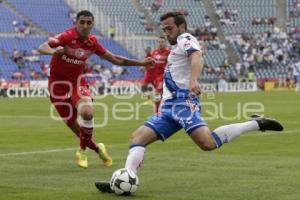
column 52, row 16
column 7, row 17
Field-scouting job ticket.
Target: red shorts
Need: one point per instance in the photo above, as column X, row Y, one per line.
column 155, row 80
column 65, row 99
column 149, row 79
column 159, row 83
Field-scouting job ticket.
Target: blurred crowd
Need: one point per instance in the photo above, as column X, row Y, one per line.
column 273, row 51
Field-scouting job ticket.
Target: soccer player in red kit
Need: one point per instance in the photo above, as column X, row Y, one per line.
column 160, row 56
column 148, row 76
column 68, row 90
column 149, row 73
column 154, row 74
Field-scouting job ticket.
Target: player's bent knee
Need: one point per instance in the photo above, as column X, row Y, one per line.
column 86, row 112
column 87, row 115
column 202, row 137
column 207, row 146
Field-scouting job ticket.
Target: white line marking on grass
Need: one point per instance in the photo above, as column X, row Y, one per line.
column 70, row 149
column 37, row 152
column 125, row 144
column 24, row 116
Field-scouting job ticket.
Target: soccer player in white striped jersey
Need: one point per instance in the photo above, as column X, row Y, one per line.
column 181, row 104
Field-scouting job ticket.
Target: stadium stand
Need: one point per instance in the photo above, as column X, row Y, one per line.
column 239, row 16
column 52, row 16
column 7, row 18
column 241, row 13
column 269, row 55
column 122, row 11
column 193, row 9
column 197, row 20
column 293, row 13
column 46, row 18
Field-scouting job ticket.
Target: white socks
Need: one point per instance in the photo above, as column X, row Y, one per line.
column 85, row 123
column 227, row 133
column 135, row 157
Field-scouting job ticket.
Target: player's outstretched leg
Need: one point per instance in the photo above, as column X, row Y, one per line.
column 267, row 124
column 227, row 133
column 207, row 140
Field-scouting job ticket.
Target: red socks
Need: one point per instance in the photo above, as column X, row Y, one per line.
column 86, row 139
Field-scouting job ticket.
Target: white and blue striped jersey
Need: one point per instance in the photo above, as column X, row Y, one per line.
column 178, row 69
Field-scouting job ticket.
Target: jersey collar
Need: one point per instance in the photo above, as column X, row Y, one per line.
column 76, row 36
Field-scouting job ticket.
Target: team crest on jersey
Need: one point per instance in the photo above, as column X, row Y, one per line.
column 79, row 53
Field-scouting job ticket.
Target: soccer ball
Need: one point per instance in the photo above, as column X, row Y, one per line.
column 124, row 182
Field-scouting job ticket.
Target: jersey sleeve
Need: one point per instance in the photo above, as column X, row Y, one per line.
column 100, row 50
column 188, row 44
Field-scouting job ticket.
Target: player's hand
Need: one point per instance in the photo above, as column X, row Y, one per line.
column 195, row 87
column 59, row 50
column 148, row 62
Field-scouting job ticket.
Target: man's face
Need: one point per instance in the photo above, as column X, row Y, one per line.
column 147, row 50
column 162, row 43
column 84, row 25
column 171, row 30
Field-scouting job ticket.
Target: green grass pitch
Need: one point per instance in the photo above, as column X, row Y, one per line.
column 37, row 154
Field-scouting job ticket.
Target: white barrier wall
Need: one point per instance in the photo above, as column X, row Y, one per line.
column 39, row 89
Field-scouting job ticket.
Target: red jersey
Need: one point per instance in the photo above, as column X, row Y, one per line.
column 70, row 65
column 161, row 59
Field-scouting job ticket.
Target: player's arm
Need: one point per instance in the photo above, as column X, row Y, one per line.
column 52, row 46
column 47, row 50
column 123, row 61
column 197, row 66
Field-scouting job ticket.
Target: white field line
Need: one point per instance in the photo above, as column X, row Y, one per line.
column 36, row 152
column 24, row 116
column 125, row 144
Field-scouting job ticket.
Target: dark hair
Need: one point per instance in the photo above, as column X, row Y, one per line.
column 178, row 18
column 85, row 13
